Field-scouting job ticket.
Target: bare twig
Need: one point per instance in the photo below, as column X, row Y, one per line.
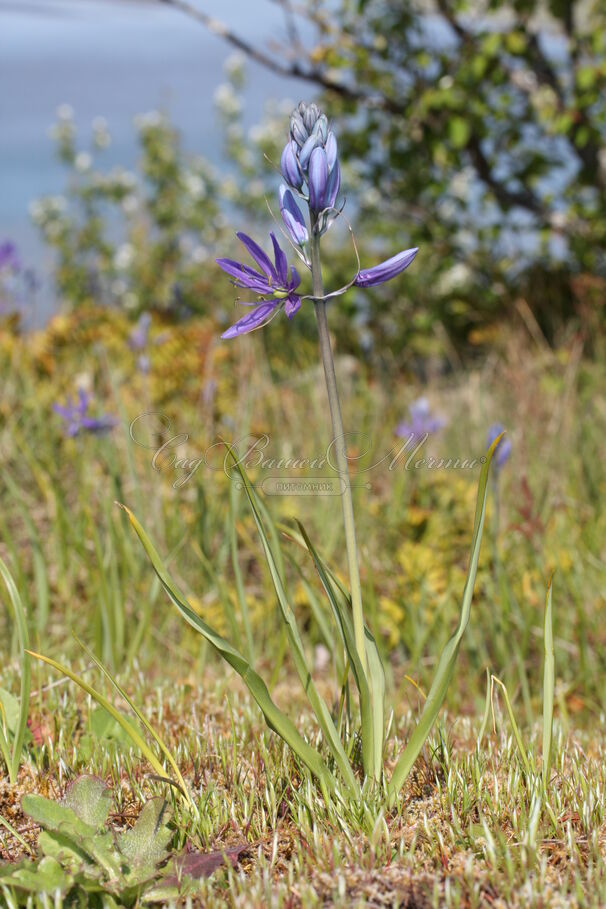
column 292, row 70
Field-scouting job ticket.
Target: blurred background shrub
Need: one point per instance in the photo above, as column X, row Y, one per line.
column 473, row 130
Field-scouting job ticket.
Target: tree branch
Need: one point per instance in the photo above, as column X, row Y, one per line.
column 508, row 198
column 274, row 64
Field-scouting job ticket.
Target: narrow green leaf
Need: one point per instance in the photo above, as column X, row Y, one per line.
column 448, row 657
column 132, row 732
column 240, row 592
column 142, row 719
column 38, row 560
column 17, row 835
column 485, row 718
column 275, row 718
column 376, row 685
column 222, row 590
column 548, row 686
column 514, row 726
column 22, row 633
column 297, row 652
column 341, row 611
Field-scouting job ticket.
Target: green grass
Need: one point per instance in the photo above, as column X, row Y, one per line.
column 473, row 823
column 463, row 830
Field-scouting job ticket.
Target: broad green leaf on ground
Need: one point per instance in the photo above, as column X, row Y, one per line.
column 90, row 799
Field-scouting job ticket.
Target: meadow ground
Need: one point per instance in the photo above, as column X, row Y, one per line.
column 468, row 829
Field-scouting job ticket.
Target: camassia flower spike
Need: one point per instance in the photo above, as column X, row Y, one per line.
column 312, row 181
column 309, row 162
column 275, row 281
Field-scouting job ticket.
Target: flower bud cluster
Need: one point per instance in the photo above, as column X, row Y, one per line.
column 309, row 162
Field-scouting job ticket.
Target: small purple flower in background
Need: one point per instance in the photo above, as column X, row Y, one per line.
column 143, row 363
column 9, row 257
column 139, row 335
column 209, row 391
column 275, row 280
column 420, row 422
column 387, row 270
column 18, row 284
column 139, row 339
column 75, row 415
column 504, row 448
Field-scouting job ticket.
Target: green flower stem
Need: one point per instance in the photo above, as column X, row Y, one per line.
column 340, row 448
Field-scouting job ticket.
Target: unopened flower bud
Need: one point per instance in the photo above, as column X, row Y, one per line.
column 317, row 179
column 310, row 114
column 333, row 186
column 321, row 128
column 331, row 149
column 292, row 217
column 385, row 271
column 298, row 130
column 305, row 154
column 290, row 166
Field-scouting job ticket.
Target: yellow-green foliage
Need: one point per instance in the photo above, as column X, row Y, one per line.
column 414, row 525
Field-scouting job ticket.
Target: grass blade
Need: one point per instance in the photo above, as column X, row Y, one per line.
column 142, row 719
column 485, row 718
column 240, row 592
column 131, row 731
column 38, row 560
column 376, row 684
column 17, row 835
column 316, row 609
column 23, row 636
column 514, row 726
column 448, row 657
column 548, row 687
column 340, row 608
column 275, row 718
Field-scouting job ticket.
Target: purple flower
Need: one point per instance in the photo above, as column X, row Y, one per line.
column 9, row 257
column 292, row 217
column 273, row 280
column 421, row 421
column 74, row 413
column 138, row 341
column 387, row 270
column 138, row 337
column 504, row 448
